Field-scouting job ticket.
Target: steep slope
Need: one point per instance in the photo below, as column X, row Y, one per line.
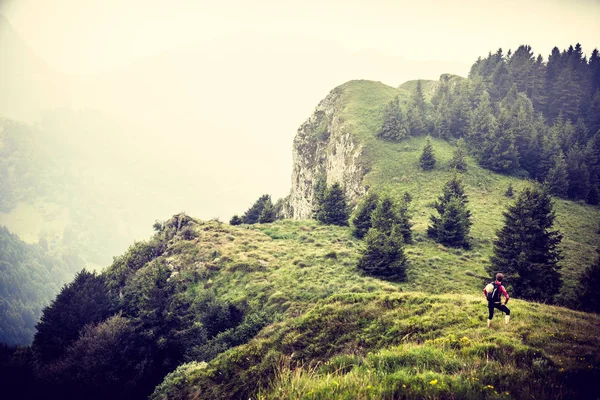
column 330, row 143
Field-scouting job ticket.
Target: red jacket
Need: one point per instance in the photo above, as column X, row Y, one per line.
column 502, row 291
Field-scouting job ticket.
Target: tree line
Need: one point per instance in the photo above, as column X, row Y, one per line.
column 518, row 114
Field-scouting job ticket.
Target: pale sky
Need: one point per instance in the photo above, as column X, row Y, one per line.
column 78, row 36
column 211, row 94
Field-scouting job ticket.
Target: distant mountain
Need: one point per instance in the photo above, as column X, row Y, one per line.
column 30, row 278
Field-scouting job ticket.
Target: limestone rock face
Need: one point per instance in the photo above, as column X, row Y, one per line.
column 325, row 146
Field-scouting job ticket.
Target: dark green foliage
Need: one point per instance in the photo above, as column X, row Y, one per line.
column 334, row 207
column 268, row 213
column 106, row 361
column 252, row 215
column 29, row 279
column 589, row 287
column 482, row 127
column 427, row 160
column 395, row 123
column 404, row 225
column 231, row 337
column 235, row 220
column 451, row 226
column 578, row 173
column 509, row 191
column 138, row 255
column 508, row 128
column 459, row 161
column 417, row 114
column 388, row 217
column 557, row 178
column 319, row 189
column 385, row 216
column 407, row 197
column 84, row 301
column 526, row 247
column 384, row 255
column 362, row 218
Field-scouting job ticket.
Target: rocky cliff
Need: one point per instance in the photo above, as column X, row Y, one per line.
column 325, row 146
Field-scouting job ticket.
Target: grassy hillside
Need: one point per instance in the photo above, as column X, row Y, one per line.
column 344, row 335
column 280, row 310
column 341, row 333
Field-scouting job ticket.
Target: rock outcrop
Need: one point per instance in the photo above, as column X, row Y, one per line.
column 324, row 146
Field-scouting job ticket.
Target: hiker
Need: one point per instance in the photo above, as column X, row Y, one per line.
column 492, row 293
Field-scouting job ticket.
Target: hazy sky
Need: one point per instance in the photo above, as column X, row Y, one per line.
column 212, row 93
column 85, row 36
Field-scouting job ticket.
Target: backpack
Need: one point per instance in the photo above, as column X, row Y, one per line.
column 493, row 295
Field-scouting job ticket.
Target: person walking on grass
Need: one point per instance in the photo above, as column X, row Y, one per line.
column 492, row 293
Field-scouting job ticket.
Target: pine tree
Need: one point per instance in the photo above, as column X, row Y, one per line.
column 395, row 122
column 509, row 191
column 384, row 255
column 362, row 219
column 235, row 220
column 335, row 209
column 459, row 155
column 84, row 301
column 589, row 282
column 578, row 174
column 267, row 214
column 452, row 225
column 557, row 179
column 427, row 160
column 482, row 127
column 418, row 113
column 385, row 216
column 252, row 215
column 526, row 247
column 404, row 225
column 319, row 189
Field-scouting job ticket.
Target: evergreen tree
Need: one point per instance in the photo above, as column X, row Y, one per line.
column 578, row 174
column 498, row 151
column 362, row 218
column 589, row 282
column 509, row 191
column 526, row 248
column 252, row 215
column 404, row 225
column 459, row 155
column 418, row 113
column 335, row 209
column 460, row 109
column 557, row 179
column 395, row 123
column 427, row 160
column 385, row 216
column 384, row 255
column 84, row 301
column 235, row 220
column 388, row 216
column 452, row 225
column 267, row 214
column 319, row 189
column 482, row 127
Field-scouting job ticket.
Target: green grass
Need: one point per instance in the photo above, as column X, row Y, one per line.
column 341, row 334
